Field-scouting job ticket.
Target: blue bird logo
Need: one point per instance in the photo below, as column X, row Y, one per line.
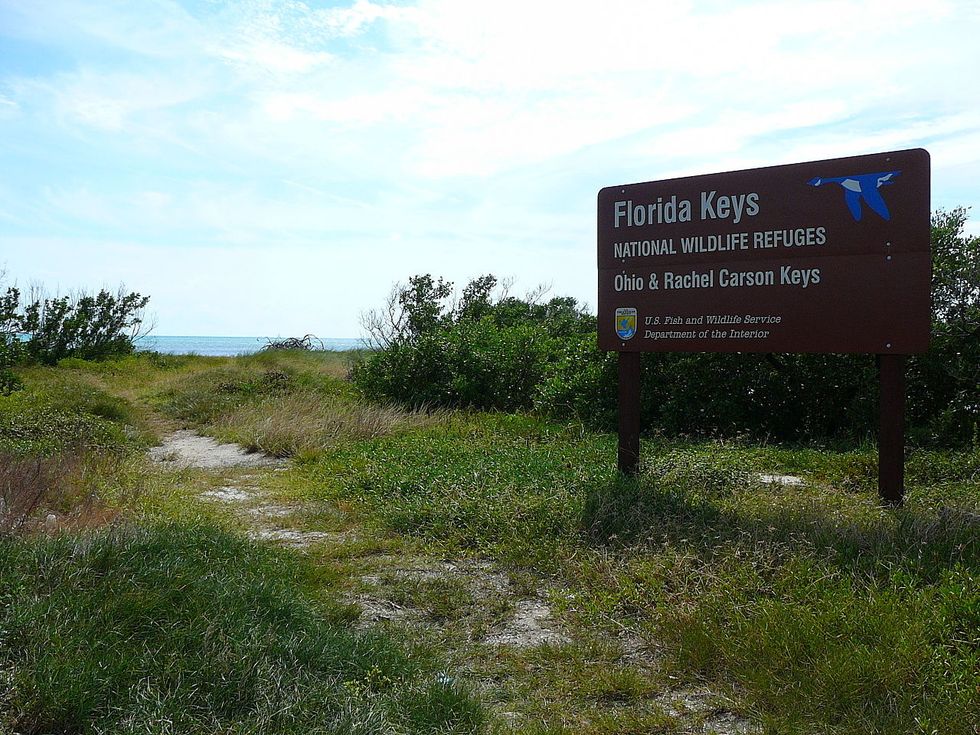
column 862, row 188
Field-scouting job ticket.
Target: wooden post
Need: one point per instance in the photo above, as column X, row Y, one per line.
column 629, row 412
column 891, row 431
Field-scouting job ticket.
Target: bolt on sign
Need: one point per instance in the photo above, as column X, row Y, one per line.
column 826, row 256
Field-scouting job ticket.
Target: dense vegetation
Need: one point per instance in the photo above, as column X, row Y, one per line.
column 84, row 326
column 176, row 628
column 480, row 352
column 519, row 354
column 829, row 614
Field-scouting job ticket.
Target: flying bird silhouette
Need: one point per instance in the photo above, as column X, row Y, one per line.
column 862, row 188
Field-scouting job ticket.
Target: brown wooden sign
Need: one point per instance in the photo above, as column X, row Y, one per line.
column 826, row 256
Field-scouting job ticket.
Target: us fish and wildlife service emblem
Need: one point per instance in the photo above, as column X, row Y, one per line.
column 625, row 323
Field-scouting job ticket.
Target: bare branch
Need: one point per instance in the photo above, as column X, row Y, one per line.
column 536, row 295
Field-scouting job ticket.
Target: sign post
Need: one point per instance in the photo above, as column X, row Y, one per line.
column 629, row 413
column 891, row 430
column 824, row 256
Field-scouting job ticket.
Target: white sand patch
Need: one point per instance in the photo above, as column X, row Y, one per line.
column 788, row 480
column 272, row 511
column 293, row 538
column 190, row 449
column 529, row 626
column 376, row 610
column 709, row 708
column 228, row 494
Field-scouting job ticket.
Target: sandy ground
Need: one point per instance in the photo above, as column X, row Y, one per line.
column 530, row 625
column 531, row 622
column 190, row 449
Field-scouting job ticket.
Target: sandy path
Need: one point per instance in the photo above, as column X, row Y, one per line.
column 529, row 624
column 190, row 449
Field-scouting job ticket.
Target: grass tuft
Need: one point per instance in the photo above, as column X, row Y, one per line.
column 303, row 424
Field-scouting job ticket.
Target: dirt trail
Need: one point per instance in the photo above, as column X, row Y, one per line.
column 519, row 621
column 531, row 623
column 190, row 449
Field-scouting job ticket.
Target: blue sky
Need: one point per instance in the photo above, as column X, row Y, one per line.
column 273, row 167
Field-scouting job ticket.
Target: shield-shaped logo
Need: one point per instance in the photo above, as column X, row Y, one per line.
column 625, row 323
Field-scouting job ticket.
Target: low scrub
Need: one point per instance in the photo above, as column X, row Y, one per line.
column 504, row 353
column 282, row 405
column 39, row 428
column 67, row 448
column 65, row 490
column 204, row 396
column 62, row 413
column 194, row 630
column 27, row 485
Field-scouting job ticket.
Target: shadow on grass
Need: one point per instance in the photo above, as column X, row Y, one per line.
column 830, row 613
column 852, row 531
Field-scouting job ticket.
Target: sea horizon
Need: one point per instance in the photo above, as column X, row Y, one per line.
column 230, row 346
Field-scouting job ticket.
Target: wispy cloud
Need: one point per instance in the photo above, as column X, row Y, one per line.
column 443, row 134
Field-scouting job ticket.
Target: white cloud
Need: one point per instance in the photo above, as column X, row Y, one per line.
column 8, row 107
column 111, row 100
column 445, row 135
column 276, row 57
column 346, row 22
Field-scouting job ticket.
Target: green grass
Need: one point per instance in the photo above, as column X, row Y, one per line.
column 502, row 485
column 68, row 447
column 813, row 608
column 285, row 405
column 824, row 611
column 440, row 598
column 156, row 625
column 47, row 422
column 172, row 628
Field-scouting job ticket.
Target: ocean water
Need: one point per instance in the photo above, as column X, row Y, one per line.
column 226, row 346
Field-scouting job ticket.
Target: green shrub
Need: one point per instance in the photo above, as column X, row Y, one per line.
column 9, row 382
column 514, row 354
column 10, row 345
column 480, row 353
column 33, row 427
column 90, row 327
column 579, row 382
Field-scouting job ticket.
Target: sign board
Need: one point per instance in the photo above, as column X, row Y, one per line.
column 826, row 256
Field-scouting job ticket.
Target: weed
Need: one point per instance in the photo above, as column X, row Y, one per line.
column 440, row 597
column 305, row 423
column 26, row 484
column 816, row 608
